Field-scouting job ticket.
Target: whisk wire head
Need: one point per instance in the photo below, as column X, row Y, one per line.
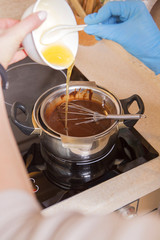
column 86, row 115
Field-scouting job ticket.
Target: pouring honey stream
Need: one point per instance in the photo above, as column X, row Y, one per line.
column 60, row 55
column 69, row 72
column 62, row 120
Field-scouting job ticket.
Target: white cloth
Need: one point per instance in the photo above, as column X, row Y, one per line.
column 21, row 219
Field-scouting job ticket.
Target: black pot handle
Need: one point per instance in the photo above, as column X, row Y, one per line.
column 26, row 127
column 126, row 103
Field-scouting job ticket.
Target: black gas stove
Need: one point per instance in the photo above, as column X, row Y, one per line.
column 28, row 81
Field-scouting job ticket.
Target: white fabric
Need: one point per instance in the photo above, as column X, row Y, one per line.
column 21, row 219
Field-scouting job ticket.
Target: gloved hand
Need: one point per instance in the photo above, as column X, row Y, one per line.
column 130, row 24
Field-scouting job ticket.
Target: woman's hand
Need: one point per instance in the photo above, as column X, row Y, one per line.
column 130, row 24
column 12, row 32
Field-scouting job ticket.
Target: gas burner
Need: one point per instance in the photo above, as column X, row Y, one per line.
column 131, row 150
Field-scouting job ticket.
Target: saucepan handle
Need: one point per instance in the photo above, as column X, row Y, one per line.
column 26, row 127
column 126, row 103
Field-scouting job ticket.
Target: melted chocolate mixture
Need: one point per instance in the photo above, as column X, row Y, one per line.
column 56, row 119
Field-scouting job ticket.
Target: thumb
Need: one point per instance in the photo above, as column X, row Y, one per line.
column 110, row 32
column 28, row 24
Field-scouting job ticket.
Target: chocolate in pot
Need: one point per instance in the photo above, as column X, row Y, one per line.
column 55, row 119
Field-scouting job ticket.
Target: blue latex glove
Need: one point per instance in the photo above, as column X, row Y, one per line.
column 130, row 24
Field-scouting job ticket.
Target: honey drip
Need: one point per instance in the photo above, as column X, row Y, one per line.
column 58, row 55
column 69, row 72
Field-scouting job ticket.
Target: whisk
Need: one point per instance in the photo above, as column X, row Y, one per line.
column 86, row 115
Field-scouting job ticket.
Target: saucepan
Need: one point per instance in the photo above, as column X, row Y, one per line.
column 75, row 149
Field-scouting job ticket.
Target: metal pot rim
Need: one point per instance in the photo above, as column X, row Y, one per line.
column 41, row 100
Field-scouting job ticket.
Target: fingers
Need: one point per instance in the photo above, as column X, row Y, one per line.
column 19, row 55
column 28, row 24
column 103, row 31
column 108, row 10
column 98, row 38
column 11, row 37
column 91, row 19
column 7, row 22
column 121, row 9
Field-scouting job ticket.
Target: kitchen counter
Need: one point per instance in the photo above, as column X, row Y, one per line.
column 110, row 66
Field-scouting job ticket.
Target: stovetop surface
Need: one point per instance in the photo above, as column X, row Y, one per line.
column 28, row 81
column 131, row 151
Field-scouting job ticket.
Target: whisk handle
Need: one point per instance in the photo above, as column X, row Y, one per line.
column 126, row 116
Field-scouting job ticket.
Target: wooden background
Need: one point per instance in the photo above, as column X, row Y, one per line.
column 15, row 8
